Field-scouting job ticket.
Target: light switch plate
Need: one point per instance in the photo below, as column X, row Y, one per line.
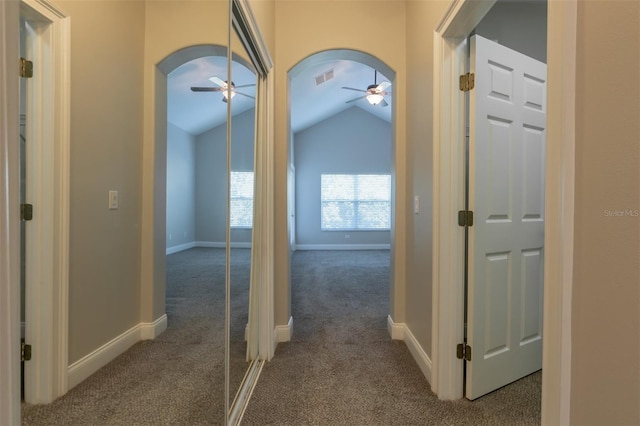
column 113, row 200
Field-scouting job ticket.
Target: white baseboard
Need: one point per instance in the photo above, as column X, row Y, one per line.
column 400, row 331
column 284, row 332
column 396, row 330
column 211, row 244
column 421, row 357
column 181, row 247
column 89, row 364
column 214, row 244
column 342, row 247
column 151, row 330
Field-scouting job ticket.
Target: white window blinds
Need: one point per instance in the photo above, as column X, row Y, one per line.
column 355, row 202
column 241, row 199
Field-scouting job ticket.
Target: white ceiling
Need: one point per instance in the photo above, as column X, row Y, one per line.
column 311, row 104
column 196, row 113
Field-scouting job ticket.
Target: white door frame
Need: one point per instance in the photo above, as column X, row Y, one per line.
column 449, row 60
column 47, row 126
column 9, row 215
column 47, row 324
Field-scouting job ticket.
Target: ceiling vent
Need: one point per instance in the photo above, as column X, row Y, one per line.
column 324, row 77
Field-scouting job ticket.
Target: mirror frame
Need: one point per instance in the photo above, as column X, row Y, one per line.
column 260, row 327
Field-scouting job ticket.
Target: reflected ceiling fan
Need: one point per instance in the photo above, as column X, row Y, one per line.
column 375, row 92
column 223, row 87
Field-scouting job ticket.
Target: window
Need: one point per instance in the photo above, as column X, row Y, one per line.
column 241, row 200
column 351, row 202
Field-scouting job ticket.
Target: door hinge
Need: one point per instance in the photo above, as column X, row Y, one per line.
column 465, row 218
column 463, row 351
column 467, row 81
column 26, row 68
column 25, row 352
column 26, row 212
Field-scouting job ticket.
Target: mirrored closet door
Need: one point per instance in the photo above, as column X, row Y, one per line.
column 248, row 67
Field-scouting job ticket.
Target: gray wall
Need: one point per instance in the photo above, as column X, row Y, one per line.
column 352, row 141
column 210, row 204
column 519, row 25
column 181, row 186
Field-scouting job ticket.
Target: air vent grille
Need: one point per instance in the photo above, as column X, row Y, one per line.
column 324, row 77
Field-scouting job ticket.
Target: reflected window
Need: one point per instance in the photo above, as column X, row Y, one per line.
column 241, row 199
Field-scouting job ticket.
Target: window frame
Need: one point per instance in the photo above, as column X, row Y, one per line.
column 232, row 198
column 356, row 202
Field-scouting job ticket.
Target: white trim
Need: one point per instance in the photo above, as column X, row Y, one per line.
column 396, row 330
column 247, row 29
column 180, row 247
column 400, row 331
column 241, row 401
column 48, row 128
column 421, row 357
column 560, row 193
column 9, row 216
column 264, row 220
column 89, row 364
column 457, row 23
column 151, row 330
column 214, row 244
column 448, row 238
column 283, row 333
column 343, row 247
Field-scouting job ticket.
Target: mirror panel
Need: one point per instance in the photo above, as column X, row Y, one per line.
column 248, row 71
column 241, row 208
column 204, row 114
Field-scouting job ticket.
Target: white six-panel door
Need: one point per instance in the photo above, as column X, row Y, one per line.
column 506, row 193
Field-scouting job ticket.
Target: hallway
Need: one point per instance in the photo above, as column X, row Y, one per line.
column 341, row 367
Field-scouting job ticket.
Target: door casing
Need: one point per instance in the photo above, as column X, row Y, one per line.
column 47, row 240
column 459, row 20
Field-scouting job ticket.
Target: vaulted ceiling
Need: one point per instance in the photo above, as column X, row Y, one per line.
column 315, row 94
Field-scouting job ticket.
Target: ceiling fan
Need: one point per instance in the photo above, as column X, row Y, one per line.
column 223, row 87
column 375, row 92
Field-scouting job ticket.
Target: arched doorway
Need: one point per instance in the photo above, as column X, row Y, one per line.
column 317, row 71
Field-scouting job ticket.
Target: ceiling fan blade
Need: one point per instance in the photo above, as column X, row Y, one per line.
column 357, row 90
column 205, row 89
column 383, row 103
column 382, row 86
column 244, row 85
column 218, row 81
column 355, row 99
column 243, row 94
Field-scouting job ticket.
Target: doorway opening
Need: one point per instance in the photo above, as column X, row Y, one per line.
column 449, row 57
column 341, row 148
column 504, row 189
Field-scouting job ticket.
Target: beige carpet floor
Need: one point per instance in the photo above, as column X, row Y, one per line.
column 342, row 368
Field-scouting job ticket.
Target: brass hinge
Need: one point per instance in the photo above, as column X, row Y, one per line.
column 26, row 212
column 26, row 68
column 463, row 351
column 465, row 218
column 25, row 352
column 467, row 81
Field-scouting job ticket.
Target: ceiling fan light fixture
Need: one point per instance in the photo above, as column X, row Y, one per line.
column 229, row 93
column 374, row 98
